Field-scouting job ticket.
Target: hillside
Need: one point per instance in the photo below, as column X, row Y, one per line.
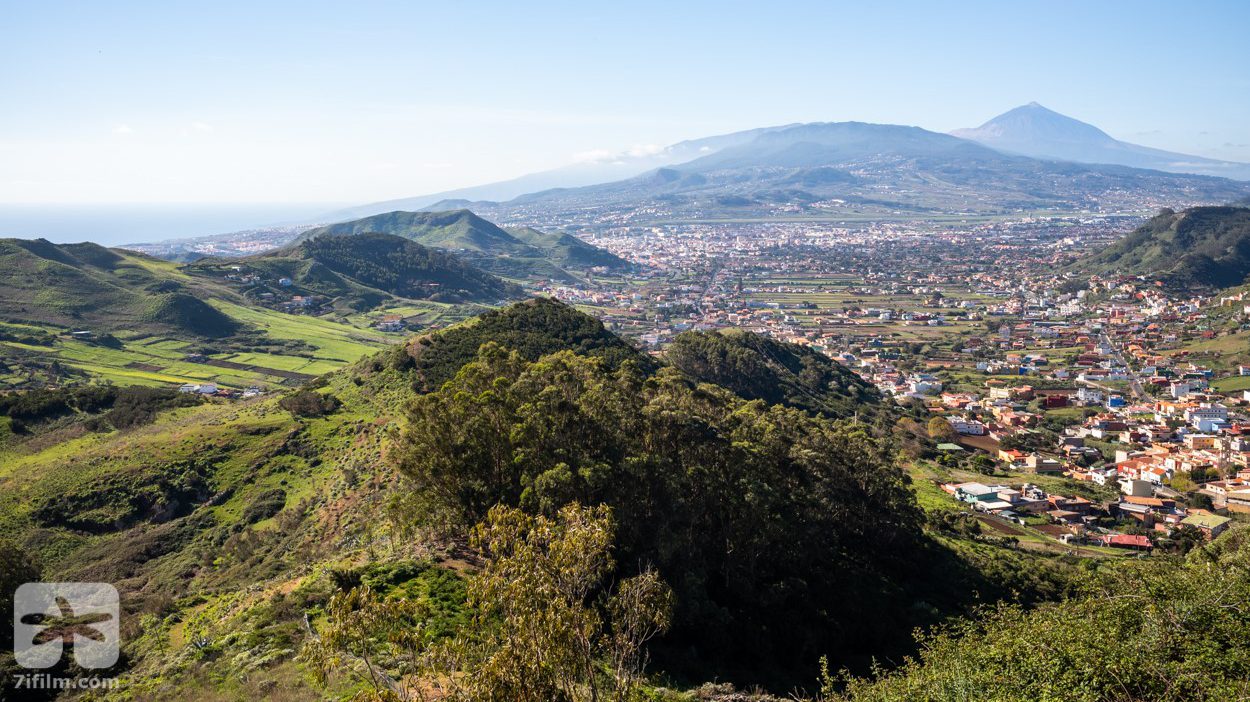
column 1202, row 248
column 75, row 313
column 1153, row 636
column 531, row 254
column 823, row 168
column 759, row 368
column 567, row 249
column 86, row 286
column 1033, row 130
column 234, row 530
column 363, row 271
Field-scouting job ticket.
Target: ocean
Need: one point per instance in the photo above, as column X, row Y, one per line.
column 113, row 225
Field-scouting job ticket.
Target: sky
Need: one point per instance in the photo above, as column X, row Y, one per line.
column 310, row 102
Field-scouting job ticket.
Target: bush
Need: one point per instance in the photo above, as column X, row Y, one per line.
column 306, row 403
column 1132, row 634
column 264, row 506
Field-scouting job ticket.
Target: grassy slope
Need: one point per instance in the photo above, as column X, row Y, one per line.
column 1202, row 247
column 89, row 286
column 211, row 593
column 320, row 345
column 158, row 313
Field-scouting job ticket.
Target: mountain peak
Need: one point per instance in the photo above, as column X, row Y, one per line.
column 1034, row 130
column 1032, row 123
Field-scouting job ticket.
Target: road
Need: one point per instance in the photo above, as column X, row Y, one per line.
column 1133, row 383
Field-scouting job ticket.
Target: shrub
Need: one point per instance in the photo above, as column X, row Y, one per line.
column 264, row 506
column 306, row 403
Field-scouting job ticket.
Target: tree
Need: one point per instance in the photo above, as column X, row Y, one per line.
column 385, row 639
column 941, row 430
column 541, row 634
column 309, row 403
column 767, row 520
column 16, row 568
column 543, row 625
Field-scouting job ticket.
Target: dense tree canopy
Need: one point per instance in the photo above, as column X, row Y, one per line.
column 777, row 529
column 532, row 328
column 759, row 368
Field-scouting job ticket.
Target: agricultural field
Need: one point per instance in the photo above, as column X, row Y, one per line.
column 318, row 346
column 423, row 314
column 1221, row 353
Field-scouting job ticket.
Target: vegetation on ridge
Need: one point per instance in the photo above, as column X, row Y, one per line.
column 1202, row 248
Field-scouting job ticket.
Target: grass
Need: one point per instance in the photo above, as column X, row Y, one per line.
column 147, row 359
column 333, row 341
column 1232, row 383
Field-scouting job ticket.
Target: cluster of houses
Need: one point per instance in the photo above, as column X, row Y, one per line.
column 271, row 293
column 214, row 390
column 1074, row 519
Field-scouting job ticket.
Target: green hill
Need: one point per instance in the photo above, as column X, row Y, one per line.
column 524, row 253
column 1202, row 248
column 363, row 271
column 86, row 286
column 568, row 250
column 759, row 368
column 77, row 313
column 532, row 328
column 455, row 229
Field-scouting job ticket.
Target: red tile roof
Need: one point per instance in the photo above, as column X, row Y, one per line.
column 1133, row 540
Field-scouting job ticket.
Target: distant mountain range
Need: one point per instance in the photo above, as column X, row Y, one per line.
column 1033, row 130
column 898, row 167
column 1027, row 160
column 821, row 170
column 591, row 171
column 1200, row 249
column 521, row 252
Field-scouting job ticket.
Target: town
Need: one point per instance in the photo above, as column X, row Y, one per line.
column 1070, row 411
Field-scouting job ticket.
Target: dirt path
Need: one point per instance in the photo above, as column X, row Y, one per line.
column 289, row 375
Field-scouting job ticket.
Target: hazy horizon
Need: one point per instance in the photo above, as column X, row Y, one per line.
column 118, row 224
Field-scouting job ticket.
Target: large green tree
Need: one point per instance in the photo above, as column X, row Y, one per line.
column 545, row 626
column 780, row 531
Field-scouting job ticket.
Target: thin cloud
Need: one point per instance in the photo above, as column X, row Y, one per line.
column 608, row 156
column 123, row 129
column 593, row 156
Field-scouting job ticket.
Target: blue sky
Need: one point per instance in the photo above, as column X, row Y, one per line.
column 362, row 101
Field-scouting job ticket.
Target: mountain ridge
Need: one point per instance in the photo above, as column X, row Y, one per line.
column 880, row 167
column 481, row 242
column 1202, row 248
